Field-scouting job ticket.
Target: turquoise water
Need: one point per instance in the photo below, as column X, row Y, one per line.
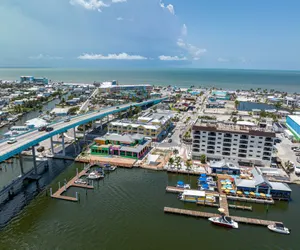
column 228, row 79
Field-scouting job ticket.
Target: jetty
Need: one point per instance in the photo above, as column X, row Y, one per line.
column 59, row 193
column 199, row 214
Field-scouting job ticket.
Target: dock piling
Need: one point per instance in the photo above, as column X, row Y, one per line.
column 50, row 191
column 59, row 185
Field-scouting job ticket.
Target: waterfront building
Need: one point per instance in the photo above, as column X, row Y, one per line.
column 293, row 123
column 154, row 125
column 217, row 104
column 35, row 123
column 129, row 146
column 60, row 111
column 260, row 184
column 32, row 79
column 224, row 167
column 219, row 95
column 113, row 88
column 244, row 144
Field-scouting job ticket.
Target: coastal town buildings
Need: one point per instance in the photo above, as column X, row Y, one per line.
column 153, row 125
column 133, row 146
column 241, row 143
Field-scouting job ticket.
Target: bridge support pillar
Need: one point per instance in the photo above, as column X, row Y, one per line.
column 34, row 160
column 21, row 163
column 84, row 133
column 74, row 131
column 63, row 144
column 52, row 147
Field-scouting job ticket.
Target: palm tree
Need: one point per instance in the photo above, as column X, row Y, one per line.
column 171, row 162
column 178, row 162
column 175, row 151
column 236, row 103
column 189, row 164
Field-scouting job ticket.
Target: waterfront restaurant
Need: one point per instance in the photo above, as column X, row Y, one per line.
column 134, row 146
column 260, row 184
column 224, row 167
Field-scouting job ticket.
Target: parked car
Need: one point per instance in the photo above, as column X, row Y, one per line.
column 40, row 149
column 170, row 140
column 297, row 150
column 67, row 119
column 11, row 140
column 297, row 154
column 43, row 128
column 49, row 129
column 297, row 170
column 298, row 159
column 117, row 107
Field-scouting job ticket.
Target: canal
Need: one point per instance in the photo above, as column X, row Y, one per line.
column 125, row 211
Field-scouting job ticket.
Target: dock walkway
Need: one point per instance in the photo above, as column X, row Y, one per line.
column 224, row 204
column 71, row 183
column 208, row 215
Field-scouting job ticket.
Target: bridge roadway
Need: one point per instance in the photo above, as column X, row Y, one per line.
column 33, row 137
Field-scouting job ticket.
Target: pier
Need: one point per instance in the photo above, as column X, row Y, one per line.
column 199, row 214
column 59, row 193
column 224, row 204
column 177, row 190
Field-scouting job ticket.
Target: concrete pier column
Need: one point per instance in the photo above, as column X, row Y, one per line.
column 34, row 160
column 84, row 137
column 74, row 131
column 52, row 147
column 63, row 143
column 21, row 163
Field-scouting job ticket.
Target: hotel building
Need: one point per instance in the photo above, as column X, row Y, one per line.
column 243, row 144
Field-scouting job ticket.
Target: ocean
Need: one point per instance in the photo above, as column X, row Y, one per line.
column 230, row 79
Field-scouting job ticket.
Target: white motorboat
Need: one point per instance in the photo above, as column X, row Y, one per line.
column 279, row 228
column 80, row 181
column 95, row 176
column 224, row 221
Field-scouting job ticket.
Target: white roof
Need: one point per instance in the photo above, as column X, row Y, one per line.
column 245, row 183
column 37, row 122
column 280, row 186
column 295, row 118
column 245, row 123
column 194, row 193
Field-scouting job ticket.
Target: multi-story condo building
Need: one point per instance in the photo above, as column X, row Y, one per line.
column 244, row 144
column 154, row 125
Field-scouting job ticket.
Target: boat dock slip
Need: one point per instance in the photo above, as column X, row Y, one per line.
column 71, row 183
column 224, row 204
column 210, row 204
column 208, row 215
column 248, row 199
column 177, row 190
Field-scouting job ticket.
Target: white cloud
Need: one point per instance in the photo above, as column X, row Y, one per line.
column 45, row 57
column 169, row 7
column 221, row 59
column 119, row 1
column 121, row 56
column 90, row 4
column 192, row 50
column 120, row 18
column 171, row 58
column 184, row 30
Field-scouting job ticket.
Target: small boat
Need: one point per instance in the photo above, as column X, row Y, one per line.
column 180, row 184
column 110, row 168
column 224, row 221
column 80, row 181
column 279, row 228
column 95, row 176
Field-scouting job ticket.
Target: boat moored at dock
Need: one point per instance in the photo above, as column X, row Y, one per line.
column 279, row 228
column 224, row 221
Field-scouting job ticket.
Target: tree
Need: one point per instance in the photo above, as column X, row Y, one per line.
column 234, row 119
column 171, row 162
column 278, row 105
column 178, row 162
column 236, row 103
column 189, row 164
column 203, row 158
column 175, row 151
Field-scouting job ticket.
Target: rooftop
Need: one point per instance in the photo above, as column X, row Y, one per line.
column 295, row 118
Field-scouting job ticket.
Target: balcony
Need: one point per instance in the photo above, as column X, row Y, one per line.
column 211, row 138
column 245, row 137
column 211, row 147
column 268, row 149
column 269, row 139
column 266, row 158
column 210, row 151
column 267, row 154
column 225, row 153
column 196, row 137
column 243, row 142
column 196, row 141
column 227, row 140
column 268, row 144
column 242, row 155
column 227, row 149
column 196, row 150
column 196, row 132
column 228, row 135
column 211, row 143
column 212, row 133
column 226, row 145
column 243, row 146
column 243, row 151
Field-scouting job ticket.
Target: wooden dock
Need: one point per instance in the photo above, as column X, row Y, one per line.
column 208, row 215
column 71, row 183
column 224, row 204
column 248, row 199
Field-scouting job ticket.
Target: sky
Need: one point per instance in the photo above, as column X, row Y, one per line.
column 236, row 34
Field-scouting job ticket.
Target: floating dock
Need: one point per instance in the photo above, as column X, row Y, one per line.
column 248, row 199
column 224, row 204
column 199, row 214
column 177, row 190
column 71, row 183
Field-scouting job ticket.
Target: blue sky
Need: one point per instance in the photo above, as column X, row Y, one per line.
column 150, row 33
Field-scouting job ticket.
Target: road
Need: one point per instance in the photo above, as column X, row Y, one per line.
column 85, row 105
column 24, row 141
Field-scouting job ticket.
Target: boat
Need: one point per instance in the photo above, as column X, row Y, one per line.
column 80, row 181
column 180, row 184
column 224, row 221
column 279, row 228
column 110, row 168
column 95, row 175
